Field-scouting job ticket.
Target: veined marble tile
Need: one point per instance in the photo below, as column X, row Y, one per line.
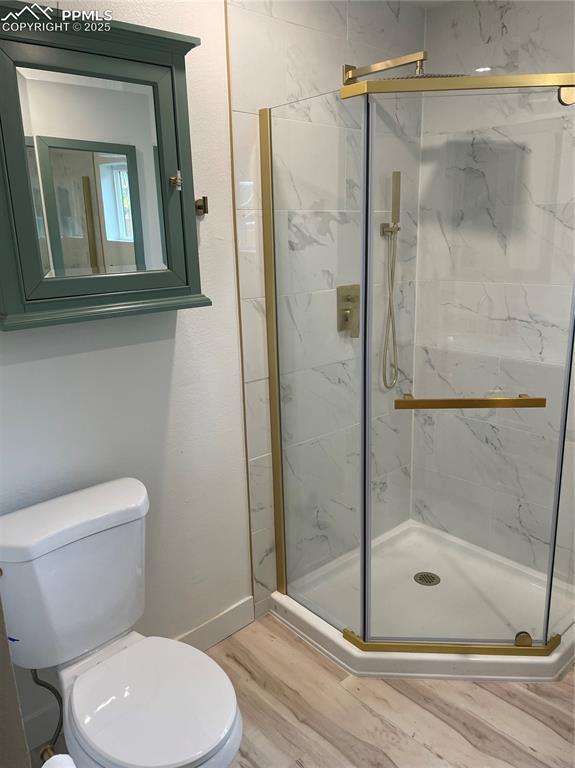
column 565, row 543
column 507, row 37
column 505, row 163
column 314, row 61
column 250, row 254
column 246, row 160
column 470, row 36
column 354, row 173
column 513, row 461
column 323, row 15
column 547, row 42
column 390, row 501
column 258, row 418
column 527, row 322
column 407, row 241
column 453, row 373
column 254, row 336
column 404, row 302
column 261, row 493
column 382, row 399
column 316, row 401
column 457, row 507
column 396, row 147
column 541, row 251
column 321, row 498
column 391, row 442
column 520, row 531
column 309, row 166
column 533, row 378
column 307, row 332
column 424, row 445
column 324, row 109
column 493, row 112
column 549, row 145
column 571, row 406
column 258, row 59
column 394, row 27
column 495, row 205
column 317, row 250
column 264, row 562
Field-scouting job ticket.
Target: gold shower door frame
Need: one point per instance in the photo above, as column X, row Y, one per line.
column 565, row 83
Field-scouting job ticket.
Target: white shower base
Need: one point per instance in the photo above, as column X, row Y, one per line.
column 481, row 597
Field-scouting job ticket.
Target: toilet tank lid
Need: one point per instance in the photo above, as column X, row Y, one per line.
column 34, row 531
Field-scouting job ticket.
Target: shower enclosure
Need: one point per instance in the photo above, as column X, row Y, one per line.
column 420, row 268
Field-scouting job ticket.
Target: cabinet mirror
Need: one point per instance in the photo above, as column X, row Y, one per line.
column 93, row 167
column 97, row 208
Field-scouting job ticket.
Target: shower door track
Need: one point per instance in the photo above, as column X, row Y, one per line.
column 407, row 646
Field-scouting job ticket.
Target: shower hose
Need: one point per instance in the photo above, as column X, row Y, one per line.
column 389, row 367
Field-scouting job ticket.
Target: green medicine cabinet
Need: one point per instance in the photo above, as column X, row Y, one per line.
column 97, row 212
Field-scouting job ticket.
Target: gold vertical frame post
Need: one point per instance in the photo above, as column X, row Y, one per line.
column 266, row 168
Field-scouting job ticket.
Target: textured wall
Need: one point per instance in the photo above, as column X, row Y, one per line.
column 157, row 396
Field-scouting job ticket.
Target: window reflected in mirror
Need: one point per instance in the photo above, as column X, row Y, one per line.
column 94, row 174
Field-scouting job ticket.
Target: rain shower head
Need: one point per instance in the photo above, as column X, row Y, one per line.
column 422, row 76
column 351, row 74
column 421, row 82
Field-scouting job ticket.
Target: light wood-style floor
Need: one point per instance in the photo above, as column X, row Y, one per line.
column 301, row 710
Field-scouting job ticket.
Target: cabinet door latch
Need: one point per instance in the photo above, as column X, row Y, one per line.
column 177, row 181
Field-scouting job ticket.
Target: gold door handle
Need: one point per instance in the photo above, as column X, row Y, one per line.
column 411, row 403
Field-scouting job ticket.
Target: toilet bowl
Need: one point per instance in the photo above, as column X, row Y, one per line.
column 149, row 702
column 72, row 590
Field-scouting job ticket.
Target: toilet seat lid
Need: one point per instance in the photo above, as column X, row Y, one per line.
column 156, row 704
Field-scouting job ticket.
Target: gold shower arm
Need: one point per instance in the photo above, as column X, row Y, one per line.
column 411, row 403
column 351, row 73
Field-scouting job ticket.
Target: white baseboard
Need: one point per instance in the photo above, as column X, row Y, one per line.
column 40, row 725
column 221, row 626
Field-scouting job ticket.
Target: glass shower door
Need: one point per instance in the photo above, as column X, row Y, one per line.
column 317, row 165
column 472, row 194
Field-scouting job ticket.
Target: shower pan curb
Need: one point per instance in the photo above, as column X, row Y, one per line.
column 330, row 641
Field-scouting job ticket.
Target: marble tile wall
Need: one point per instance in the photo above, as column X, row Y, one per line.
column 317, row 161
column 282, row 52
column 495, row 275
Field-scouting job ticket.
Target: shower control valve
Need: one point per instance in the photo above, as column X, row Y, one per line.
column 348, row 309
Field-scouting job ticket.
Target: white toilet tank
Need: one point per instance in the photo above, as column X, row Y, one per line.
column 73, row 572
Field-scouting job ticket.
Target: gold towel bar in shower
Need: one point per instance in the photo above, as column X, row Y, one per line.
column 411, row 403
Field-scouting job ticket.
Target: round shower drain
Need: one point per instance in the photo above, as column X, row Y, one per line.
column 426, row 578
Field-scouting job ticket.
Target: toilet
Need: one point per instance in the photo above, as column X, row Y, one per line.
column 72, row 588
